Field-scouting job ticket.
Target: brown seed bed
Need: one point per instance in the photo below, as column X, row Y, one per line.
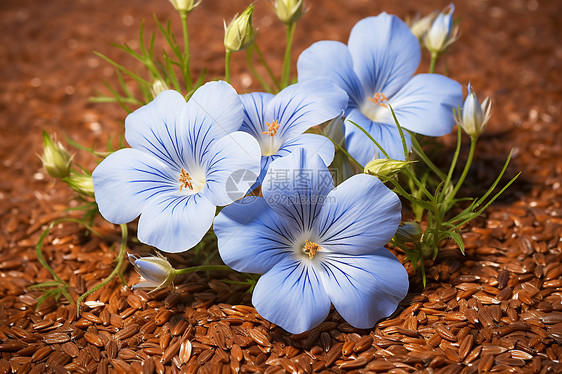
column 497, row 309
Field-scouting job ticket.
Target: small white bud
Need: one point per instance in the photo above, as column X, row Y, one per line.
column 474, row 115
column 420, row 26
column 441, row 34
column 156, row 272
column 185, row 6
column 288, row 11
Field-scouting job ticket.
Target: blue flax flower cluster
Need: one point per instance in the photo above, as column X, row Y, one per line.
column 316, row 245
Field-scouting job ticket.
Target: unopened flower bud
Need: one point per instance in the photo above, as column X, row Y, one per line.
column 157, row 88
column 185, row 6
column 474, row 115
column 240, row 33
column 81, row 183
column 156, row 272
column 56, row 160
column 409, row 232
column 420, row 26
column 441, row 34
column 385, row 167
column 288, row 11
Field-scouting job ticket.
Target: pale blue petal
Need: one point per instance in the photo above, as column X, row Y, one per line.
column 232, row 166
column 125, row 180
column 385, row 53
column 304, row 105
column 359, row 215
column 175, row 223
column 251, row 237
column 255, row 105
column 220, row 102
column 313, row 144
column 330, row 59
column 295, row 186
column 425, row 104
column 362, row 149
column 364, row 289
column 291, row 296
column 155, row 128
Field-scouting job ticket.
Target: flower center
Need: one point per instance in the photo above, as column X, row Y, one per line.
column 310, row 248
column 376, row 107
column 380, row 99
column 186, row 182
column 270, row 145
column 272, row 127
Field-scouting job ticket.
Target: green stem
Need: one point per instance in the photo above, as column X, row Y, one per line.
column 433, row 61
column 194, row 269
column 186, row 56
column 254, row 72
column 465, row 171
column 120, row 258
column 266, row 66
column 421, row 154
column 453, row 165
column 227, row 67
column 287, row 59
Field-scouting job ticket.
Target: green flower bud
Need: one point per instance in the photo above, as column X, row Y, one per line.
column 240, row 33
column 56, row 160
column 288, row 11
column 409, row 232
column 156, row 272
column 385, row 168
column 185, row 5
column 81, row 183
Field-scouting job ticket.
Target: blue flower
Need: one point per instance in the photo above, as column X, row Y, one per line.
column 316, row 245
column 176, row 172
column 376, row 69
column 279, row 122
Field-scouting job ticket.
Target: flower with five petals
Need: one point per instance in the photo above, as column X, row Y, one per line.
column 175, row 174
column 376, row 68
column 316, row 245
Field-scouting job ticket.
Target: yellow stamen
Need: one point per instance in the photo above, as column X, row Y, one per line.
column 379, row 98
column 310, row 248
column 273, row 127
column 185, row 180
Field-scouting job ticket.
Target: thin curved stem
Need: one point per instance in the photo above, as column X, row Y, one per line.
column 266, row 66
column 187, row 54
column 466, row 168
column 254, row 72
column 195, row 269
column 285, row 77
column 120, row 258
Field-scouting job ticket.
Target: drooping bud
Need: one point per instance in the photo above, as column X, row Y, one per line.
column 185, row 6
column 56, row 159
column 156, row 272
column 240, row 33
column 385, row 168
column 441, row 34
column 474, row 115
column 408, row 232
column 420, row 26
column 81, row 183
column 288, row 11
